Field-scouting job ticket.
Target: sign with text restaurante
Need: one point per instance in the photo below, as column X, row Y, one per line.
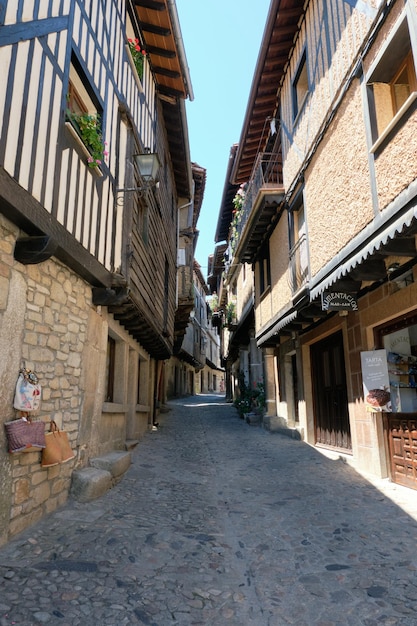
column 338, row 300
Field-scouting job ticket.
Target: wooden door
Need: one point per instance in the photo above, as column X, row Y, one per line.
column 330, row 394
column 402, row 442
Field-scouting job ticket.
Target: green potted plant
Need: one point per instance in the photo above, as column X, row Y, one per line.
column 88, row 127
column 138, row 55
column 231, row 313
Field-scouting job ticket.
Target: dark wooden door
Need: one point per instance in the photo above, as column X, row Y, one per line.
column 330, row 393
column 402, row 441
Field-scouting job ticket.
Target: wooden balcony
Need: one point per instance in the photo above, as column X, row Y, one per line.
column 185, row 305
column 264, row 196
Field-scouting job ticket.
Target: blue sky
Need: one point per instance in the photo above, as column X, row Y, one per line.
column 221, row 40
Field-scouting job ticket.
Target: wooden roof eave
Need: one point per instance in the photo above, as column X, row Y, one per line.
column 160, row 28
column 226, row 206
column 282, row 25
column 161, row 32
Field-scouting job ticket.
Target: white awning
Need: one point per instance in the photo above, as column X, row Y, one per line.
column 372, row 246
column 279, row 325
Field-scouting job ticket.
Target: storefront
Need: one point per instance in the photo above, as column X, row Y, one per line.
column 399, row 340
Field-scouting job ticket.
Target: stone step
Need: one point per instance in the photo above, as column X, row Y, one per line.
column 130, row 444
column 276, row 424
column 117, row 463
column 104, row 472
column 90, row 483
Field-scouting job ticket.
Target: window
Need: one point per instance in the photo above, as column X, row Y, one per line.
column 143, row 218
column 300, row 86
column 391, row 84
column 84, row 114
column 110, row 368
column 136, row 51
column 166, row 296
column 399, row 338
column 298, row 244
column 264, row 269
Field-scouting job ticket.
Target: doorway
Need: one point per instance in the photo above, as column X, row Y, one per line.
column 331, row 416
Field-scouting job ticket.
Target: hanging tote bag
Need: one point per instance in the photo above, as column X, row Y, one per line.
column 27, row 395
column 57, row 449
column 24, row 435
column 51, row 454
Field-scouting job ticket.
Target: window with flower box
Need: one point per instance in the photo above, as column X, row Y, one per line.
column 135, row 51
column 84, row 116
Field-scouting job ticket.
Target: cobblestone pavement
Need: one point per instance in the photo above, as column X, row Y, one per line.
column 219, row 523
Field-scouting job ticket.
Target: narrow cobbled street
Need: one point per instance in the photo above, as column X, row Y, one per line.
column 220, row 523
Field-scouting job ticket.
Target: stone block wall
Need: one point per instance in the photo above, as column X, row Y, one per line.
column 44, row 312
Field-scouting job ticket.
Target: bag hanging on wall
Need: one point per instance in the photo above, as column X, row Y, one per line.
column 27, row 395
column 57, row 449
column 24, row 435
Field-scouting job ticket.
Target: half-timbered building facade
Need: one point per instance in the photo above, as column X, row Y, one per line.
column 92, row 90
column 327, row 157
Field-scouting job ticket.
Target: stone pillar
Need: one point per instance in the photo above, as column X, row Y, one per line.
column 244, row 363
column 256, row 366
column 270, row 391
column 228, row 382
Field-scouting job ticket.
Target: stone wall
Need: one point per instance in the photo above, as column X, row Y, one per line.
column 44, row 312
column 48, row 323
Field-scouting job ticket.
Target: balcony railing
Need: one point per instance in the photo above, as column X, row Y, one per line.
column 266, row 177
column 298, row 267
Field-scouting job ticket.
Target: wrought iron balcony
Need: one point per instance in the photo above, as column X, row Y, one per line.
column 298, row 266
column 263, row 194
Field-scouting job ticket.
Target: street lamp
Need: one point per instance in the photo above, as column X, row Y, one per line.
column 148, row 166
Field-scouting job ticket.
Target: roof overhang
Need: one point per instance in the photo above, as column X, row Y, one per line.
column 160, row 27
column 282, row 24
column 226, row 206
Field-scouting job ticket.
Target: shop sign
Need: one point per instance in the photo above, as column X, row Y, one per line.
column 376, row 386
column 338, row 300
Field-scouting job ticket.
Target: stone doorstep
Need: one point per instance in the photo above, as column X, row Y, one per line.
column 276, row 424
column 117, row 463
column 104, row 472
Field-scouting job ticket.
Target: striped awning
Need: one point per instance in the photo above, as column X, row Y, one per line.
column 274, row 330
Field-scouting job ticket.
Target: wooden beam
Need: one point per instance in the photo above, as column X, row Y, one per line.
column 161, row 52
column 163, row 71
column 156, row 30
column 154, row 5
column 27, row 213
